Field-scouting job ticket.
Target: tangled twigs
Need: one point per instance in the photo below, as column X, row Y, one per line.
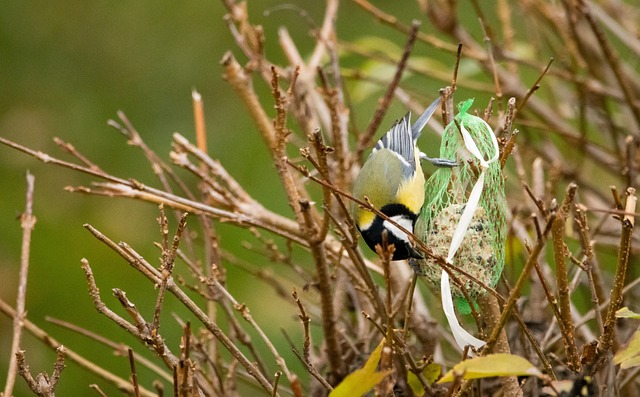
column 48, row 340
column 138, row 263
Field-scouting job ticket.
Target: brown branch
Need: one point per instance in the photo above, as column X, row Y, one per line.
column 560, row 250
column 385, row 253
column 306, row 320
column 491, row 316
column 27, row 221
column 454, row 81
column 102, row 308
column 100, row 392
column 134, row 374
column 158, row 166
column 615, row 298
column 597, row 291
column 168, row 262
column 334, row 351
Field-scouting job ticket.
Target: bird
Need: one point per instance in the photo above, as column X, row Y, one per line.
column 392, row 180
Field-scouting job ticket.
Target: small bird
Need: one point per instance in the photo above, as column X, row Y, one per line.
column 393, row 181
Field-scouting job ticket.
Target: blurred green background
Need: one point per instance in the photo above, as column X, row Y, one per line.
column 65, row 69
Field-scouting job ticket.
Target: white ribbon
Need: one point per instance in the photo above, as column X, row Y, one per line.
column 462, row 337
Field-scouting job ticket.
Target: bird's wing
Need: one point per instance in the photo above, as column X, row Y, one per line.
column 400, row 142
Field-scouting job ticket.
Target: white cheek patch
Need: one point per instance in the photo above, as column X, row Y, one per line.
column 393, row 229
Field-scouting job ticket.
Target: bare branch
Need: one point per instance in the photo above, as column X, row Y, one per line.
column 28, row 221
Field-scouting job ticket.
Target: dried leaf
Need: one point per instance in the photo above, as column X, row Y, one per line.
column 492, row 365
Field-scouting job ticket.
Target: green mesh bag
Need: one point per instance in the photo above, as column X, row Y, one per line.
column 448, row 192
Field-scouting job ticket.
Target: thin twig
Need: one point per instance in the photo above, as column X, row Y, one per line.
column 334, row 350
column 28, row 222
column 535, row 85
column 134, row 374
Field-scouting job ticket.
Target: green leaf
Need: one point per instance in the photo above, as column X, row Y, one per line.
column 629, row 356
column 626, row 313
column 430, row 374
column 364, row 379
column 500, row 364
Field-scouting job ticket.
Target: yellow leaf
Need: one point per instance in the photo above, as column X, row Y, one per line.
column 430, row 374
column 629, row 356
column 364, row 379
column 630, row 363
column 626, row 313
column 500, row 364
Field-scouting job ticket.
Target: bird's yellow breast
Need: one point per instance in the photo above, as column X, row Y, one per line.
column 411, row 192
